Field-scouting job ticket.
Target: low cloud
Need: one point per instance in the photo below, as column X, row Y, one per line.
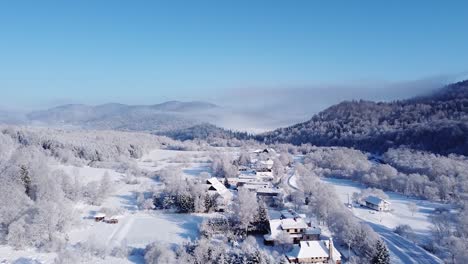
column 264, row 108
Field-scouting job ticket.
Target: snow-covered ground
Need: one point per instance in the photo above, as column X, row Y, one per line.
column 136, row 228
column 140, row 229
column 401, row 250
column 400, row 213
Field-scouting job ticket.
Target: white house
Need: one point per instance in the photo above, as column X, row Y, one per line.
column 214, row 186
column 268, row 191
column 266, row 150
column 377, row 203
column 297, row 228
column 321, row 251
column 264, row 165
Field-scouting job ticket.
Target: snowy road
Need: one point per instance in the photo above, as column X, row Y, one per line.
column 402, row 250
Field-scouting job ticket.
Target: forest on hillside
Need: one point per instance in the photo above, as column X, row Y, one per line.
column 436, row 123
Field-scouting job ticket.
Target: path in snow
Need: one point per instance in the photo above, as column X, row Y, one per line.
column 402, row 250
column 120, row 232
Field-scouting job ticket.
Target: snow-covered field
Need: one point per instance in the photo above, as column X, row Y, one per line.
column 401, row 250
column 136, row 228
column 140, row 229
column 400, row 213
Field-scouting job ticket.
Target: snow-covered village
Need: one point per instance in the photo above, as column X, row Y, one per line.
column 233, row 132
column 150, row 199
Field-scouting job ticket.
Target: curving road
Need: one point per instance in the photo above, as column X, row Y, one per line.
column 401, row 250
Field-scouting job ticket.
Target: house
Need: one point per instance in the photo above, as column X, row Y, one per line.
column 251, row 181
column 321, row 251
column 215, row 187
column 377, row 203
column 99, row 217
column 254, row 186
column 312, row 233
column 112, row 220
column 297, row 228
column 264, row 165
column 266, row 151
column 265, row 175
column 290, row 214
column 268, row 191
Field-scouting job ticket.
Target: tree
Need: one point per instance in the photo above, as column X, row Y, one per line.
column 105, row 186
column 148, row 204
column 25, row 179
column 157, row 253
column 284, row 240
column 244, row 158
column 208, row 202
column 262, row 223
column 413, row 208
column 405, row 231
column 382, row 255
column 17, row 234
column 245, row 209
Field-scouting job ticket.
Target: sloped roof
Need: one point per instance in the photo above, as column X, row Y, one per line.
column 313, row 231
column 375, row 200
column 311, row 249
column 290, row 223
column 219, row 187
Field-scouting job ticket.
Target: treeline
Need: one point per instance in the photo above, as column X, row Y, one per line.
column 207, row 132
column 91, row 146
column 436, row 123
column 406, row 171
column 36, row 201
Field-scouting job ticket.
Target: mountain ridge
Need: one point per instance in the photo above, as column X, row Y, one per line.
column 157, row 117
column 436, row 122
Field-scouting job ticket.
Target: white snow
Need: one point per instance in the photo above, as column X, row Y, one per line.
column 400, row 213
column 135, row 228
column 401, row 250
column 140, row 229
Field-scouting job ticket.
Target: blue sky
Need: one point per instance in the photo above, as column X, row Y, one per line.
column 54, row 52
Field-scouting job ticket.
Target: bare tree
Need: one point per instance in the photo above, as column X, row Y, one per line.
column 413, row 207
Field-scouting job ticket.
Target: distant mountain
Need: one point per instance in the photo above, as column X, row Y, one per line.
column 11, row 117
column 176, row 106
column 155, row 118
column 437, row 122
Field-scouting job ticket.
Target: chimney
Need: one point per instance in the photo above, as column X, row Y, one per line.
column 330, row 248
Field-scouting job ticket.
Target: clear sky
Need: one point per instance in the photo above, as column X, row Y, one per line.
column 54, row 52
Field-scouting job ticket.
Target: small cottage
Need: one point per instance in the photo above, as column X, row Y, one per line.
column 214, row 186
column 99, row 217
column 377, row 203
column 321, row 251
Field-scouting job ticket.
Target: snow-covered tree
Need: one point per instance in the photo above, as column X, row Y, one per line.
column 245, row 209
column 382, row 255
column 413, row 207
column 284, row 240
column 157, row 253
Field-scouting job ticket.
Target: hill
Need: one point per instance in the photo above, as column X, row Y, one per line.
column 154, row 118
column 204, row 131
column 437, row 122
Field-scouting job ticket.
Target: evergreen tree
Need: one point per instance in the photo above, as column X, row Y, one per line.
column 25, row 179
column 208, row 203
column 381, row 256
column 185, row 203
column 226, row 183
column 262, row 222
